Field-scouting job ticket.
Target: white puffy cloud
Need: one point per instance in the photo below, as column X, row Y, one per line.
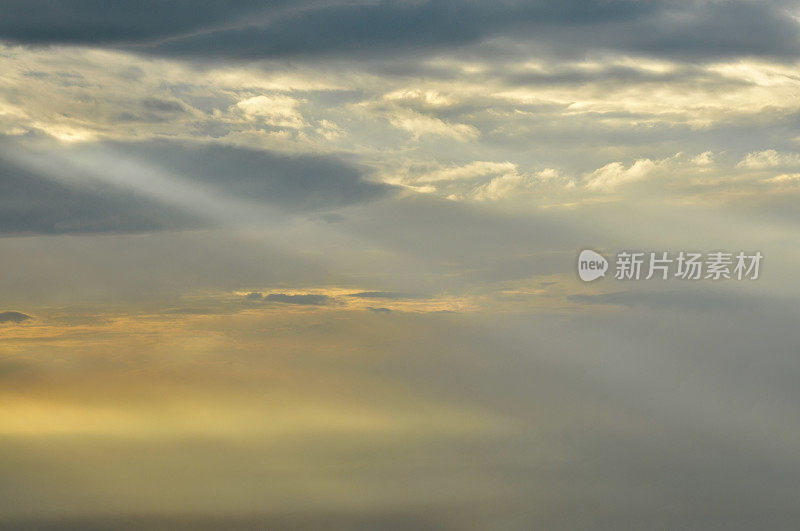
column 430, row 98
column 513, row 183
column 419, row 124
column 705, row 158
column 784, row 178
column 615, row 174
column 473, row 170
column 769, row 158
column 275, row 109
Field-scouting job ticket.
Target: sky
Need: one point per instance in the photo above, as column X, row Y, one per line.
column 313, row 264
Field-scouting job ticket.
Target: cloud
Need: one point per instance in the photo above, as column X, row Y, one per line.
column 292, row 182
column 101, row 187
column 13, row 317
column 474, row 170
column 113, row 22
column 306, row 299
column 382, row 295
column 615, row 174
column 419, row 125
column 514, row 184
column 698, row 300
column 694, row 29
column 278, row 110
column 770, row 158
column 479, row 180
column 705, row 158
column 33, row 202
column 162, row 105
column 430, row 99
column 784, row 178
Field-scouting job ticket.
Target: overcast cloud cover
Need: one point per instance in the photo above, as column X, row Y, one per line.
column 312, row 264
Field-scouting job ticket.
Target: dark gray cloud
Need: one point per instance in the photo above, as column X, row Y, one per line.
column 13, row 317
column 685, row 29
column 115, row 21
column 382, row 295
column 34, row 203
column 307, row 299
column 693, row 29
column 290, row 182
column 165, row 106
